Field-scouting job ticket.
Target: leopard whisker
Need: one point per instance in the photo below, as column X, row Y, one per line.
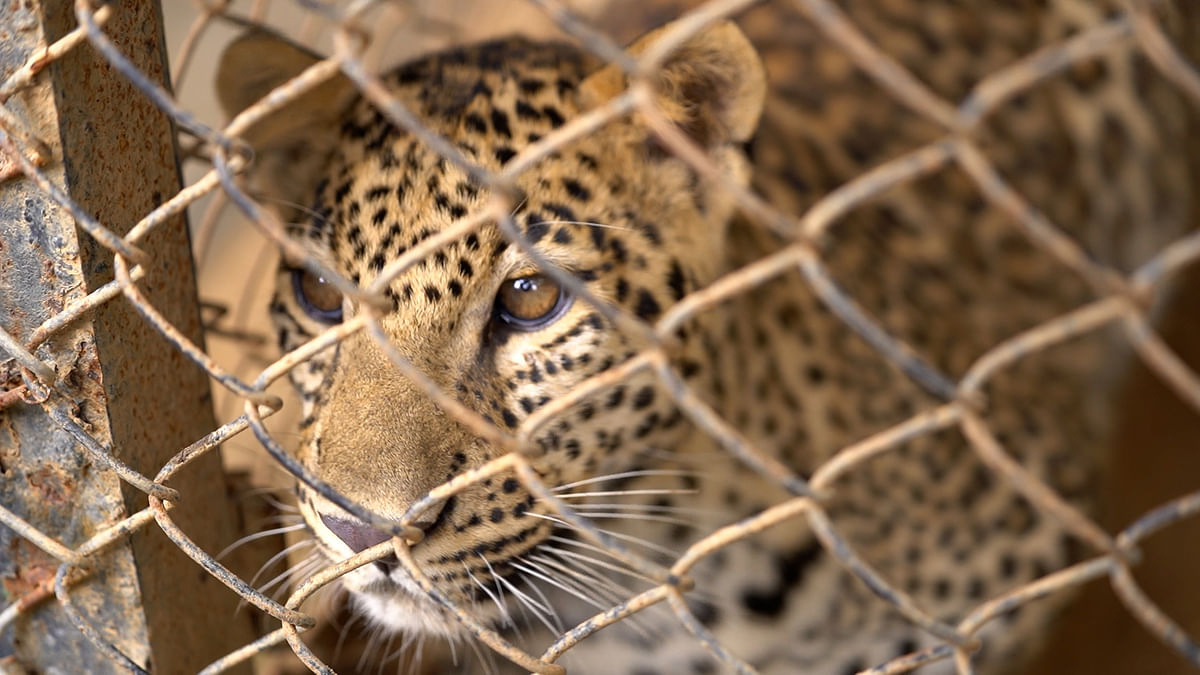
column 607, row 591
column 596, row 561
column 404, row 650
column 279, row 556
column 542, row 612
column 548, row 605
column 383, row 659
column 559, row 584
column 626, row 474
column 256, row 536
column 593, row 560
column 646, row 543
column 647, row 508
column 637, row 516
column 300, row 569
column 588, row 223
column 373, row 636
column 344, row 632
column 506, row 617
column 613, row 590
column 626, row 493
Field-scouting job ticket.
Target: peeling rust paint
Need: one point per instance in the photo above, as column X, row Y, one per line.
column 112, row 153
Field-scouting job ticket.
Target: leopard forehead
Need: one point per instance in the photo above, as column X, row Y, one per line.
column 592, row 208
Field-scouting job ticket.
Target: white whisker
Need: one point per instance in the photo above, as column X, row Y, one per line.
column 584, row 222
column 256, row 536
column 507, row 618
column 657, row 548
column 538, row 610
column 557, row 584
column 626, row 474
column 638, row 516
column 646, row 508
column 608, row 591
column 278, row 556
column 606, row 493
column 591, row 560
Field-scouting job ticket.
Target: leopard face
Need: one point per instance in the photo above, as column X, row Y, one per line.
column 632, row 223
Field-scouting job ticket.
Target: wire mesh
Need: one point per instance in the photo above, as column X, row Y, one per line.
column 1121, row 300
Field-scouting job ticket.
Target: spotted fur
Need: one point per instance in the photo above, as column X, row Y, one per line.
column 1094, row 149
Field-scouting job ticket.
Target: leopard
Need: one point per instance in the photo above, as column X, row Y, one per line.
column 615, row 225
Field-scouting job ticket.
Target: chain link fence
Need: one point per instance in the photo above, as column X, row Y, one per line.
column 41, row 384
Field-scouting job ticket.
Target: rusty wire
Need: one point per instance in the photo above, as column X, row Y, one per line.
column 1120, row 301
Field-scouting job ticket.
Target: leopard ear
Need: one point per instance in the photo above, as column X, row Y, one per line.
column 292, row 144
column 713, row 85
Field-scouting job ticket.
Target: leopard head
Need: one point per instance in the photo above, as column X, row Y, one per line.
column 636, row 225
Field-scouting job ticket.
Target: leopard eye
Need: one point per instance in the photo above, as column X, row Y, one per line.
column 317, row 297
column 530, row 302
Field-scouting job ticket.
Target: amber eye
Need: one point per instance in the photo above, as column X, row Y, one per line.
column 530, row 302
column 317, row 297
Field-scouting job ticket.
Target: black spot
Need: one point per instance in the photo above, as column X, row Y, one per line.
column 615, row 398
column 496, row 515
column 556, row 118
column 560, row 211
column 510, row 485
column 618, row 250
column 500, row 123
column 527, row 112
column 535, row 228
column 455, row 288
column 643, row 398
column 530, row 86
column 562, row 236
column 432, row 294
column 647, row 425
column 509, row 418
column 475, row 123
column 675, row 281
column 763, row 603
column 815, row 373
column 504, row 153
column 576, row 190
column 705, row 612
column 647, row 307
column 1008, row 566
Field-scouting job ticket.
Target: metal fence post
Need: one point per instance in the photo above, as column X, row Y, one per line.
column 110, row 150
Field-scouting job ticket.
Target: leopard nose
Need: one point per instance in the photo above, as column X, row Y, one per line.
column 359, row 536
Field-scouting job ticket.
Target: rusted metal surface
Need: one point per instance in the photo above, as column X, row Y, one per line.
column 112, row 153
